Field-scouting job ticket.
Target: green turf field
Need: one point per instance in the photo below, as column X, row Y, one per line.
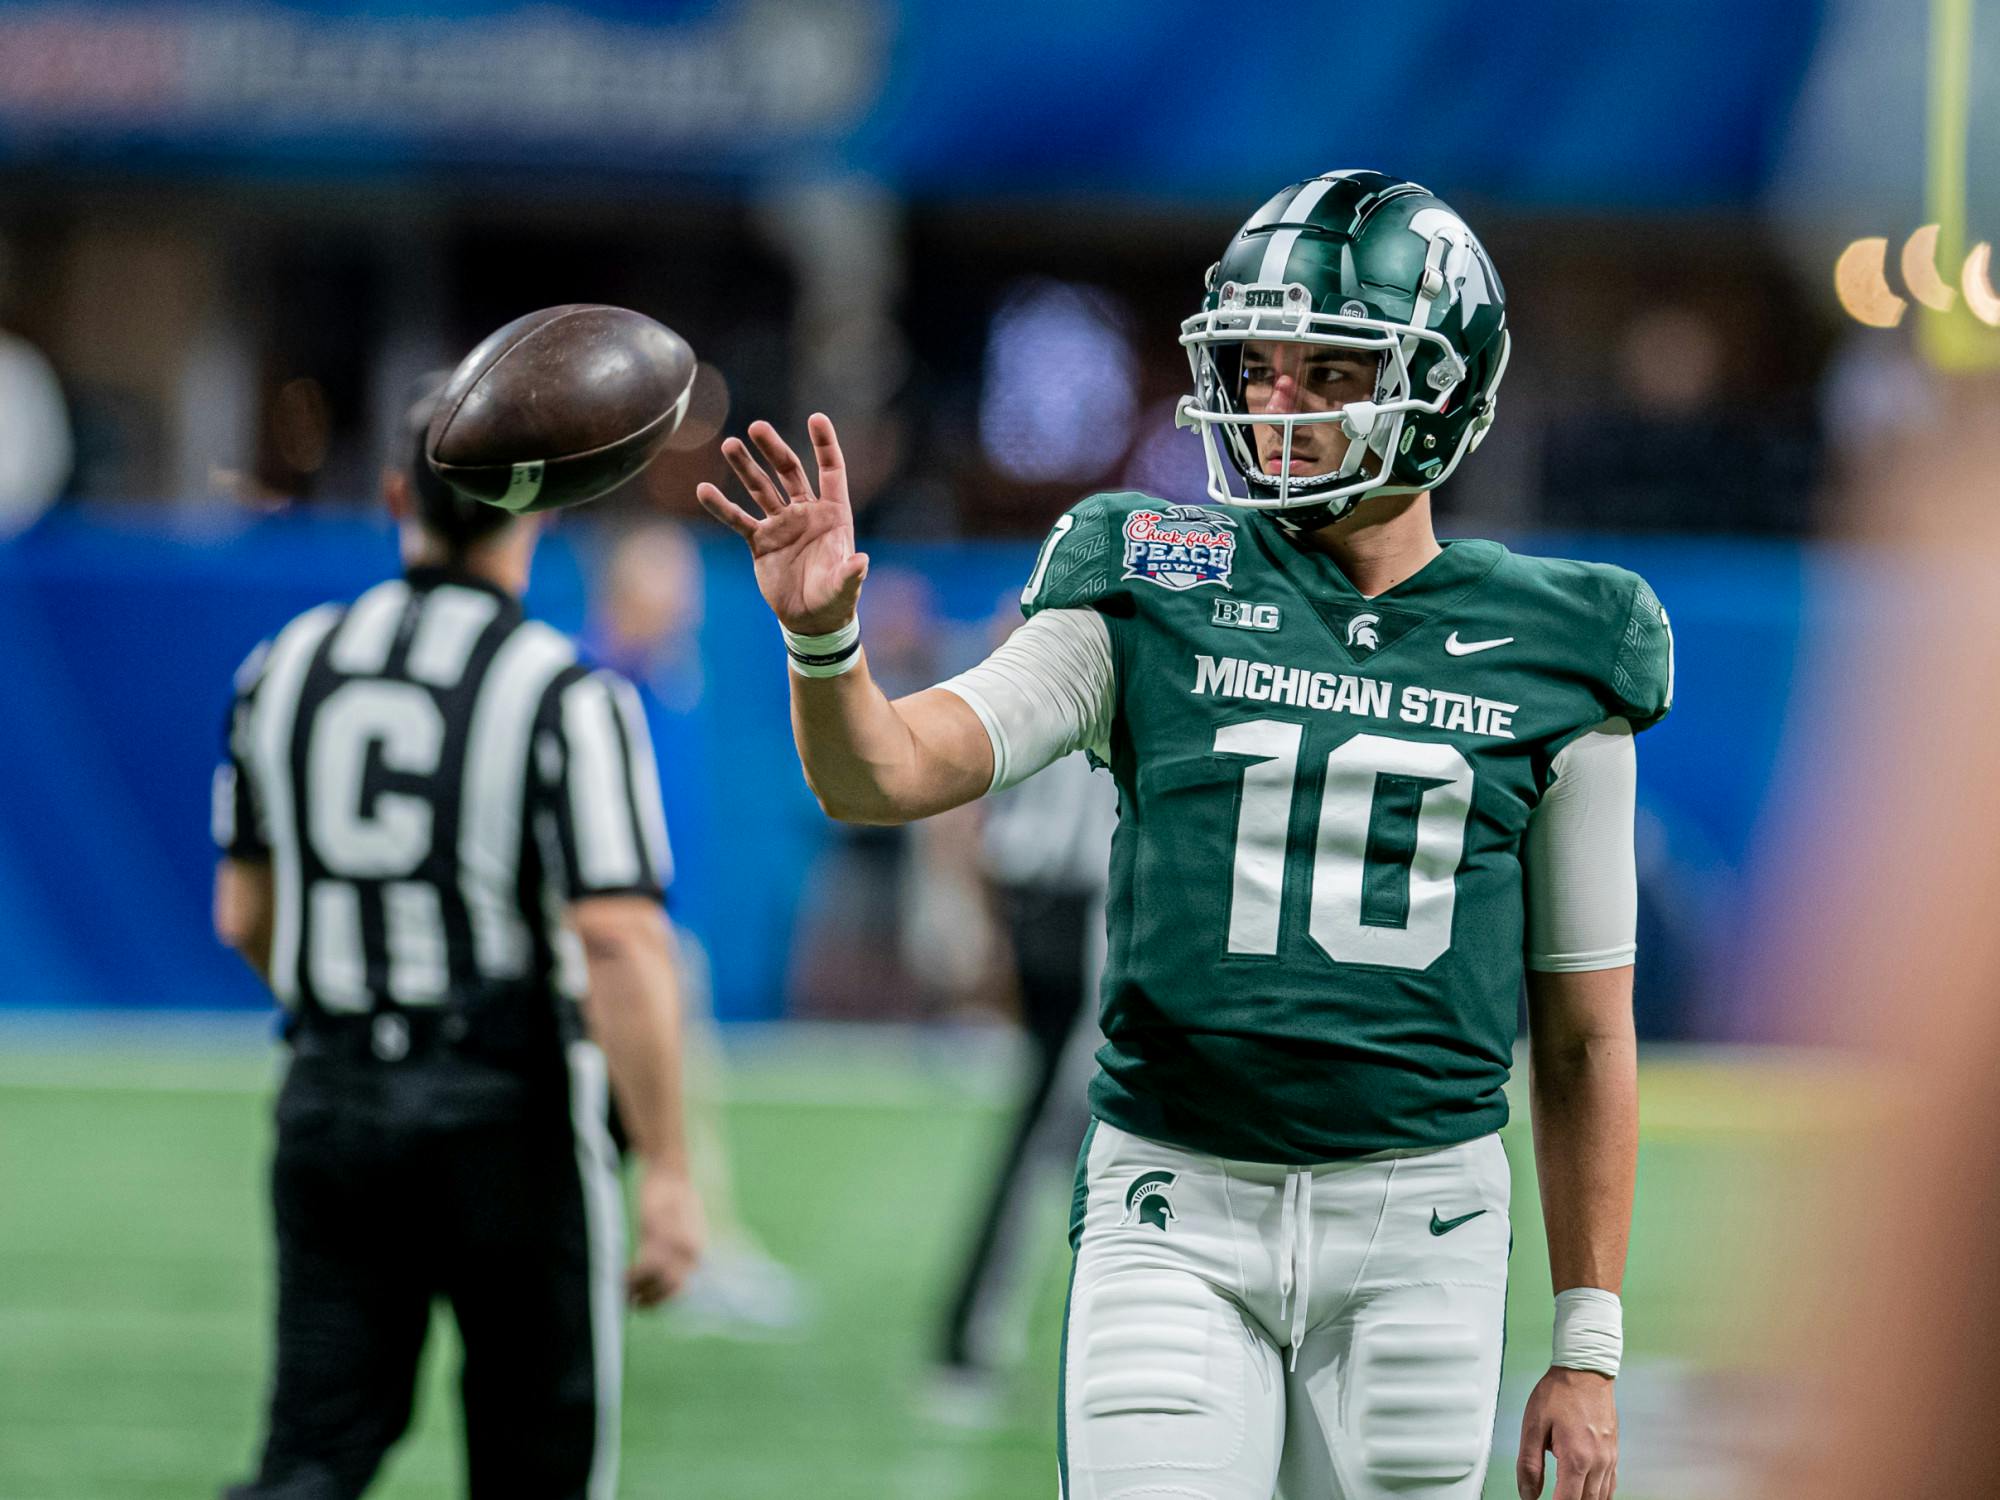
column 133, row 1265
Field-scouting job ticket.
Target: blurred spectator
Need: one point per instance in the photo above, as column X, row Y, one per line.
column 1670, row 450
column 647, row 615
column 36, row 449
column 645, row 622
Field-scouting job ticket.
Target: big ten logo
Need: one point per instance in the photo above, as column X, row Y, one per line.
column 1241, row 614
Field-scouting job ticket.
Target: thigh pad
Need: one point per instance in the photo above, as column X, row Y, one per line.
column 1422, row 1409
column 1165, row 1371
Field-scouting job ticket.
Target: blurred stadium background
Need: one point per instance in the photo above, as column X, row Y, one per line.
column 231, row 236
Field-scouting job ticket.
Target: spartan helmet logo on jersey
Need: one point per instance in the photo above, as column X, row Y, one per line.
column 1149, row 1200
column 1364, row 263
column 1361, row 632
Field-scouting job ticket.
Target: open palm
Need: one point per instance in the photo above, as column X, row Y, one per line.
column 803, row 548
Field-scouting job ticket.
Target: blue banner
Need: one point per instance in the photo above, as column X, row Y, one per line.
column 1543, row 102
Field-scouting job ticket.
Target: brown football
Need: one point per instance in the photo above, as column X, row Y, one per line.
column 560, row 406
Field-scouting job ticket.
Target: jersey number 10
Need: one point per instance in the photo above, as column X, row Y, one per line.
column 1391, row 830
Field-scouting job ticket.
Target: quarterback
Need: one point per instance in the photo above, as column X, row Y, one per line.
column 1366, row 779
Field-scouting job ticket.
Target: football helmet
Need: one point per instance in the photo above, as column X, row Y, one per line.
column 1355, row 261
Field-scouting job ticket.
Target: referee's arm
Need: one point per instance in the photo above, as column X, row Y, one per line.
column 243, row 905
column 616, row 866
column 634, row 1014
column 244, row 902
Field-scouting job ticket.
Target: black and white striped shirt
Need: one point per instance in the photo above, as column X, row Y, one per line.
column 433, row 777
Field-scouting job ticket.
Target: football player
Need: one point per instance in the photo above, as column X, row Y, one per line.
column 1366, row 779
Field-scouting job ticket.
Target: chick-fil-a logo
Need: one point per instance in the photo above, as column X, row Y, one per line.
column 1181, row 548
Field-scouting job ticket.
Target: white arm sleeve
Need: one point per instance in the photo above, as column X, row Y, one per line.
column 1582, row 881
column 1045, row 692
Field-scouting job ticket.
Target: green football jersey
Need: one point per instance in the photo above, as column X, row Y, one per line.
column 1316, row 904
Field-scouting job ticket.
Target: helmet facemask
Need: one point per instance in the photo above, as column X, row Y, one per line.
column 1428, row 409
column 1215, row 340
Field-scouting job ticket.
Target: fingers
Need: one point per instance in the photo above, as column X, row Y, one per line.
column 658, row 1274
column 725, row 510
column 1600, row 1481
column 784, row 463
column 826, row 451
column 1571, row 1475
column 645, row 1285
column 1528, row 1474
column 793, row 485
column 750, row 474
column 1528, row 1466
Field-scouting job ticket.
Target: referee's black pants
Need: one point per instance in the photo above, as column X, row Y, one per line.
column 514, row 1221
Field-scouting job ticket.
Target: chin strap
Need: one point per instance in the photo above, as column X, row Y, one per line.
column 1312, row 517
column 1359, row 420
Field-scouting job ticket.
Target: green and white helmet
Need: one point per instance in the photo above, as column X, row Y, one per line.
column 1360, row 261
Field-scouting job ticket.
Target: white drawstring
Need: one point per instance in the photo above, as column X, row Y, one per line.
column 1295, row 1265
column 1286, row 1265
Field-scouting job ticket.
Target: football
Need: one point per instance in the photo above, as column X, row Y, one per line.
column 560, row 406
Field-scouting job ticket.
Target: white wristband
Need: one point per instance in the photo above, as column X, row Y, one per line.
column 826, row 655
column 1590, row 1330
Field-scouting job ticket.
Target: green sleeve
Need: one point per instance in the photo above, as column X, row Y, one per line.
column 1079, row 566
column 1642, row 673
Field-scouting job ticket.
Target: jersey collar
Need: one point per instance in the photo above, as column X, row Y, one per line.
column 1461, row 564
column 432, row 575
column 1367, row 626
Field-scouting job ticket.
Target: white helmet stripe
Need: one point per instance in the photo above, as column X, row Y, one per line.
column 1271, row 270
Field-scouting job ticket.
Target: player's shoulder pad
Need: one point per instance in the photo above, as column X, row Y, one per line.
column 1612, row 623
column 1642, row 673
column 1081, row 564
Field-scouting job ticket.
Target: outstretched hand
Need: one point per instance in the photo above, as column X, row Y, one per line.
column 803, row 548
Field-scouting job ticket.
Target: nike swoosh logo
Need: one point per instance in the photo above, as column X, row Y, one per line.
column 1456, row 647
column 1446, row 1226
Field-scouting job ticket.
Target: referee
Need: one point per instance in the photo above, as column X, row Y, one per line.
column 443, row 850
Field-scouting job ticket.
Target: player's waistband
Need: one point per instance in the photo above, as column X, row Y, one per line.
column 1402, row 1153
column 502, row 1030
column 1391, row 1153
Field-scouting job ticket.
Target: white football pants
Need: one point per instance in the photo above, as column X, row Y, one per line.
column 1238, row 1330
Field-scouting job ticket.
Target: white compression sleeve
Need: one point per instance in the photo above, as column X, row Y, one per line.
column 1045, row 692
column 1582, row 879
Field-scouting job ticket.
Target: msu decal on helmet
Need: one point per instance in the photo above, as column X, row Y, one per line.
column 1364, row 263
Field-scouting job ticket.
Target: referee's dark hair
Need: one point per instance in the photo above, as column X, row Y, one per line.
column 459, row 522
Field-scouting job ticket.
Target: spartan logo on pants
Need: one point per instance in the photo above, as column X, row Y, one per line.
column 1149, row 1200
